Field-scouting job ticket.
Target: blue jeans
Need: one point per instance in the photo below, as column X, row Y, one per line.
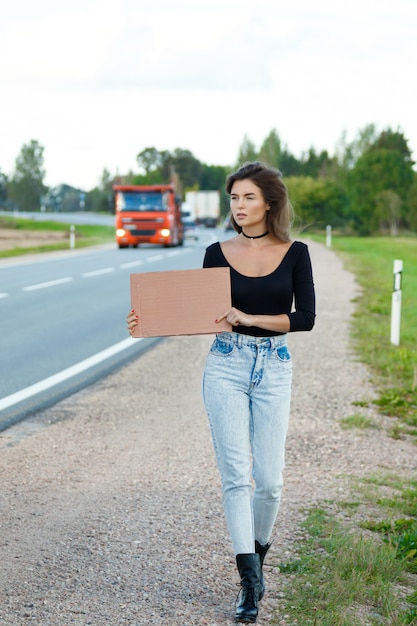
column 247, row 394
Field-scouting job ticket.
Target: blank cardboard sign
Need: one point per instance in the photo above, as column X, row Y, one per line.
column 180, row 302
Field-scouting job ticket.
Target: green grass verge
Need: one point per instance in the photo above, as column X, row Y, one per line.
column 342, row 577
column 360, row 568
column 85, row 235
column 394, row 367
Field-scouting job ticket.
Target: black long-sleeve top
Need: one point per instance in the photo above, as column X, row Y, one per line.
column 274, row 294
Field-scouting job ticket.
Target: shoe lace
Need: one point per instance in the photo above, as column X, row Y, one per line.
column 250, row 594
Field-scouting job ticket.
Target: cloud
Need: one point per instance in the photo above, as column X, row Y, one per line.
column 208, row 48
column 104, row 46
column 97, row 81
column 63, row 48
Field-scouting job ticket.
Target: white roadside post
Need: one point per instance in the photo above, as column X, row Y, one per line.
column 329, row 236
column 396, row 303
column 72, row 237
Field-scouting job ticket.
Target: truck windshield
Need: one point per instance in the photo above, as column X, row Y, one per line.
column 141, row 201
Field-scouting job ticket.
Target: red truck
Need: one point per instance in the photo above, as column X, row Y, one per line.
column 147, row 214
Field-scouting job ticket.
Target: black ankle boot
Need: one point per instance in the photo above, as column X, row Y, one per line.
column 249, row 566
column 261, row 550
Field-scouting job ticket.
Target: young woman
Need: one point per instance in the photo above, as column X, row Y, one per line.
column 247, row 377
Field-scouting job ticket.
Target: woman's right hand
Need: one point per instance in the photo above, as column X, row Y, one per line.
column 132, row 321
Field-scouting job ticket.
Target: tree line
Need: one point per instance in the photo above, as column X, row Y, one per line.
column 368, row 186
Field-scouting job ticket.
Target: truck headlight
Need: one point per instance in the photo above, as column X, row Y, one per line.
column 165, row 232
column 120, row 232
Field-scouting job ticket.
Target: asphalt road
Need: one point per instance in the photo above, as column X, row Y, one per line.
column 62, row 319
column 81, row 217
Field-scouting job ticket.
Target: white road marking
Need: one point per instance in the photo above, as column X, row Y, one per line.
column 125, row 266
column 105, row 270
column 60, row 377
column 50, row 283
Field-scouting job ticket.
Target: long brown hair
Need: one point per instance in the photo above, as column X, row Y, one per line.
column 275, row 193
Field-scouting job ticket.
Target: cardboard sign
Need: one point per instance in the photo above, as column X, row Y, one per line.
column 180, row 302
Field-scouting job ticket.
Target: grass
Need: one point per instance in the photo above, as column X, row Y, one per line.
column 349, row 578
column 394, row 367
column 358, row 421
column 85, row 235
column 358, row 566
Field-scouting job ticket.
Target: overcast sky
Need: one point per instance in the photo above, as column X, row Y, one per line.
column 97, row 81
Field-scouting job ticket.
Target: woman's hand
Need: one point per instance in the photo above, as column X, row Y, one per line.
column 279, row 323
column 132, row 321
column 236, row 318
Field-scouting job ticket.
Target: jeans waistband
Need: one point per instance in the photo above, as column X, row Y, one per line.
column 249, row 340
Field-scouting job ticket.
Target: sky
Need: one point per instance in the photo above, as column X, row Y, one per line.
column 97, row 81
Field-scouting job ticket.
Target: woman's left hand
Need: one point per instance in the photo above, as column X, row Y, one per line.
column 236, row 318
column 132, row 321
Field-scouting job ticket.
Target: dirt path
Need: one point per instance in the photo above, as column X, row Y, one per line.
column 110, row 510
column 14, row 238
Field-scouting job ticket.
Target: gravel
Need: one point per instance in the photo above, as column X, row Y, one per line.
column 110, row 507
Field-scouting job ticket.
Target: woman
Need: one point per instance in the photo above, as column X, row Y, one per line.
column 247, row 377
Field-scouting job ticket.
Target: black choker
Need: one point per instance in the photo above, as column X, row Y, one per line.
column 256, row 236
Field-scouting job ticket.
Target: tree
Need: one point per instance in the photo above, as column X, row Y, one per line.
column 150, row 160
column 316, row 165
column 348, row 153
column 388, row 210
column 3, row 188
column 213, row 176
column 271, row 150
column 394, row 140
column 289, row 164
column 26, row 187
column 247, row 152
column 182, row 164
column 316, row 202
column 100, row 198
column 385, row 165
column 412, row 205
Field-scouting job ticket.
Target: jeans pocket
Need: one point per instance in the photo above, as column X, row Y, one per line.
column 283, row 354
column 221, row 348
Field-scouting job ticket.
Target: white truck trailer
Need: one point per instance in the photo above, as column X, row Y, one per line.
column 204, row 207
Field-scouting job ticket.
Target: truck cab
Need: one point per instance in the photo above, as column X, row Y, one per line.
column 147, row 214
